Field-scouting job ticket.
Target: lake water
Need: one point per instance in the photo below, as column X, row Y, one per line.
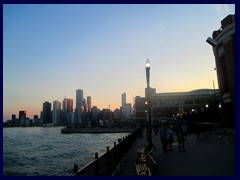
column 44, row 151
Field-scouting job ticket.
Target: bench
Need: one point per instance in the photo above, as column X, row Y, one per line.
column 145, row 165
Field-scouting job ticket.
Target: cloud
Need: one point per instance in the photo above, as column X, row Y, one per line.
column 221, row 7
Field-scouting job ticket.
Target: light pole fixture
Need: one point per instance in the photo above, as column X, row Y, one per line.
column 149, row 122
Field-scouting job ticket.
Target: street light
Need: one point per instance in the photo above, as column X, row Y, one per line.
column 149, row 128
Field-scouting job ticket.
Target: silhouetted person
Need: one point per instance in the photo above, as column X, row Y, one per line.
column 169, row 138
column 180, row 139
column 163, row 136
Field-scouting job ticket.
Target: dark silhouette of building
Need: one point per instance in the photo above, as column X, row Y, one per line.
column 47, row 114
column 223, row 45
column 22, row 115
column 13, row 120
column 67, row 108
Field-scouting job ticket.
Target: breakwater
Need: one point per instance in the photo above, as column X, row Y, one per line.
column 96, row 130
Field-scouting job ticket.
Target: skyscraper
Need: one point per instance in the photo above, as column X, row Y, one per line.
column 47, row 115
column 67, row 108
column 79, row 98
column 124, row 99
column 85, row 105
column 22, row 114
column 56, row 112
column 123, row 113
column 89, row 103
column 79, row 104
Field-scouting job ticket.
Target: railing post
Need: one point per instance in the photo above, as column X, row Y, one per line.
column 108, row 160
column 75, row 168
column 96, row 165
column 96, row 155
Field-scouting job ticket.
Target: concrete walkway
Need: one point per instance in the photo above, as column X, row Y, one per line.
column 209, row 157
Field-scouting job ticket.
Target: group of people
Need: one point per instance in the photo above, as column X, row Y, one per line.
column 168, row 132
column 167, row 137
column 180, row 129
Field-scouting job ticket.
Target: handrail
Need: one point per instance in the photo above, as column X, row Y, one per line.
column 106, row 164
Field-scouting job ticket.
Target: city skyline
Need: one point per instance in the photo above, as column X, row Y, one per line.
column 50, row 51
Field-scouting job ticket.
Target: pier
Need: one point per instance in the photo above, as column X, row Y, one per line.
column 213, row 155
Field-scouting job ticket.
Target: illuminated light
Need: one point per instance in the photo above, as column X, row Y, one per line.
column 147, row 65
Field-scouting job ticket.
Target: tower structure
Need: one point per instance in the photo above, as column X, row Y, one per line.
column 56, row 112
column 47, row 114
column 89, row 103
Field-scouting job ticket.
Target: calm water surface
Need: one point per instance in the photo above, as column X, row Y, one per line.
column 44, row 151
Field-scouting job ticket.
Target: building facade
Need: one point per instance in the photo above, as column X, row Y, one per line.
column 67, row 109
column 22, row 115
column 224, row 53
column 128, row 111
column 89, row 103
column 47, row 114
column 56, row 113
column 123, row 109
column 79, row 98
column 167, row 104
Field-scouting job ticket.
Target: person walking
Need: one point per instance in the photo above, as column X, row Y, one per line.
column 180, row 139
column 163, row 136
column 169, row 138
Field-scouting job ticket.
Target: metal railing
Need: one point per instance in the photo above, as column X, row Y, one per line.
column 107, row 163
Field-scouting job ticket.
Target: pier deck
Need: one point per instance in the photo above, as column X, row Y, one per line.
column 209, row 157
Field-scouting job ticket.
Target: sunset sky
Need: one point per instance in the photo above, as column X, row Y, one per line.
column 49, row 51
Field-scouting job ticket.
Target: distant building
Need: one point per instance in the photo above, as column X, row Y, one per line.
column 79, row 104
column 79, row 115
column 37, row 121
column 47, row 114
column 95, row 114
column 128, row 111
column 56, row 112
column 123, row 109
column 67, row 109
column 22, row 115
column 116, row 114
column 85, row 105
column 79, row 98
column 224, row 51
column 140, row 110
column 124, row 99
column 89, row 103
column 106, row 115
column 13, row 121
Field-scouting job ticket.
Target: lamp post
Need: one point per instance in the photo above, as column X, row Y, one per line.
column 149, row 128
